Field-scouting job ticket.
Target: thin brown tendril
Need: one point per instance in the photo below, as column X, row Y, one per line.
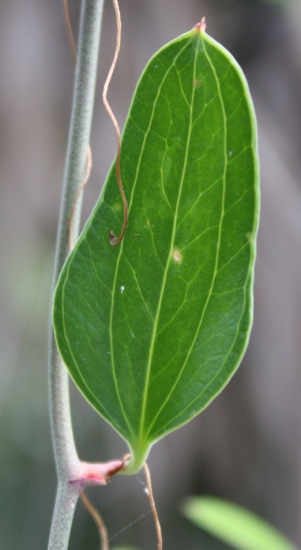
column 151, row 500
column 79, row 192
column 103, row 534
column 69, row 28
column 125, row 459
column 153, row 506
column 113, row 239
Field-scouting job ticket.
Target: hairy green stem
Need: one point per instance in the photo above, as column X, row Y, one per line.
column 66, row 499
column 67, row 462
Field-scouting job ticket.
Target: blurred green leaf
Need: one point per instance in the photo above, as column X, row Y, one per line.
column 152, row 330
column 234, row 525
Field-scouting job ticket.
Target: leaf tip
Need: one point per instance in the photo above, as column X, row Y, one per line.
column 201, row 26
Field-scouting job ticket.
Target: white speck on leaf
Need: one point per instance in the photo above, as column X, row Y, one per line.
column 122, row 289
column 230, row 154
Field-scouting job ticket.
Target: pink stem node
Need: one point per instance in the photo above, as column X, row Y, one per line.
column 99, row 473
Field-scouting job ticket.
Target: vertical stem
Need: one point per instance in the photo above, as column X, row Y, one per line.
column 66, row 499
column 79, row 136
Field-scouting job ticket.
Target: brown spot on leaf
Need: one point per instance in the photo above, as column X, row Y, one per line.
column 177, row 256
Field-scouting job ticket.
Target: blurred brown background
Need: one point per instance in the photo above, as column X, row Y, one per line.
column 247, row 445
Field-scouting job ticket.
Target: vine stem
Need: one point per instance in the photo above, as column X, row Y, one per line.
column 73, row 475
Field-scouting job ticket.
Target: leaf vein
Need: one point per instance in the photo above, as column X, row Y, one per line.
column 217, row 249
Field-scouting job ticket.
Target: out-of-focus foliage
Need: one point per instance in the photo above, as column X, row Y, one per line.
column 234, row 525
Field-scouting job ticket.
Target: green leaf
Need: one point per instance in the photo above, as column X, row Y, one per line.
column 152, row 330
column 234, row 525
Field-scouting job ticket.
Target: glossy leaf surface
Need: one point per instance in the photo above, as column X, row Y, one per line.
column 234, row 525
column 152, row 330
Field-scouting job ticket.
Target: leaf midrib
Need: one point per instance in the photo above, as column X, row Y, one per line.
column 122, row 243
column 154, row 332
column 217, row 250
